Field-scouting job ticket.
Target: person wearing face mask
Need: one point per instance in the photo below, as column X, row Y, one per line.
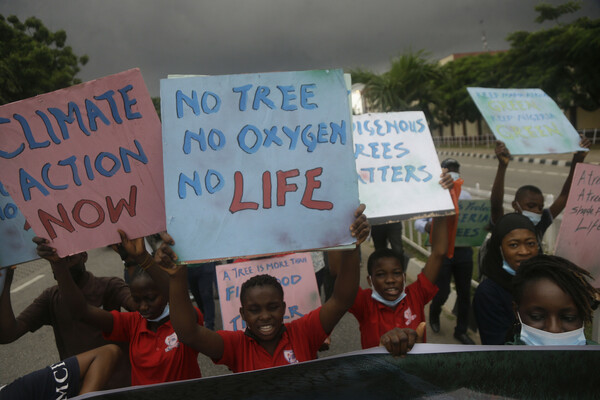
column 552, row 300
column 460, row 266
column 72, row 337
column 529, row 200
column 513, row 241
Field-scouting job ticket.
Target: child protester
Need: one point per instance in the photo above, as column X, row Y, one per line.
column 552, row 300
column 267, row 341
column 155, row 353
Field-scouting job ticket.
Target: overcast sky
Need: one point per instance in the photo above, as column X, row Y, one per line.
column 238, row 36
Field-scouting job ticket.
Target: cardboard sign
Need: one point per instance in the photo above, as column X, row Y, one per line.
column 579, row 232
column 84, row 161
column 257, row 163
column 16, row 244
column 295, row 273
column 473, row 216
column 398, row 167
column 526, row 120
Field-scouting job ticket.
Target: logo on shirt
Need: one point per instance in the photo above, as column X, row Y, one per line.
column 290, row 357
column 409, row 316
column 172, row 342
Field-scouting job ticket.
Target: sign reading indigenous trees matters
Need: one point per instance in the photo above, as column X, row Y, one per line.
column 398, row 168
column 84, row 161
column 257, row 163
column 528, row 121
column 473, row 216
column 579, row 233
column 16, row 244
column 295, row 273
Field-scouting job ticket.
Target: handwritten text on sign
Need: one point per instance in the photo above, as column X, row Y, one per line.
column 473, row 216
column 83, row 161
column 295, row 273
column 397, row 165
column 528, row 121
column 579, row 233
column 257, row 163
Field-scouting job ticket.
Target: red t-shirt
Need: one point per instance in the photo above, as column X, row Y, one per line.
column 299, row 342
column 375, row 318
column 155, row 357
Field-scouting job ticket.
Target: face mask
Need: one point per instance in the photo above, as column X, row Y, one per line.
column 161, row 316
column 534, row 217
column 537, row 337
column 454, row 175
column 506, row 266
column 390, row 303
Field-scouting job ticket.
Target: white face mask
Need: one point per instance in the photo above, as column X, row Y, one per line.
column 506, row 266
column 390, row 303
column 537, row 337
column 535, row 218
column 454, row 175
column 161, row 316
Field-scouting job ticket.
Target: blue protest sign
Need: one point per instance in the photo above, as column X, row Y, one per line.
column 257, row 163
column 15, row 241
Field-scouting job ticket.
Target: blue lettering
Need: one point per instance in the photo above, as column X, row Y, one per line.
column 397, row 174
column 192, row 102
column 271, row 137
column 140, row 156
column 71, row 162
column 305, row 94
column 93, row 112
column 46, row 179
column 27, row 183
column 386, row 150
column 243, row 91
column 216, row 100
column 29, row 135
column 61, row 118
column 194, row 183
column 338, row 131
column 108, row 96
column 100, row 168
column 242, row 139
column 49, row 128
column 261, row 95
column 322, row 133
column 293, row 135
column 127, row 102
column 307, row 134
column 208, row 181
column 288, row 95
column 19, row 150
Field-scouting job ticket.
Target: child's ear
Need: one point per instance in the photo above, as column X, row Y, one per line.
column 516, row 207
column 242, row 313
column 369, row 280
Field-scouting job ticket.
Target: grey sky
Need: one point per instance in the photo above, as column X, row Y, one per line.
column 238, row 36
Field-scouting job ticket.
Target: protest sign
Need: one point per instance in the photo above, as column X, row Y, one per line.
column 295, row 273
column 579, row 232
column 473, row 216
column 528, row 121
column 16, row 244
column 436, row 372
column 398, row 168
column 84, row 161
column 257, row 163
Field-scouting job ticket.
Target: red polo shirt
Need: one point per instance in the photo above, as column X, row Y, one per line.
column 155, row 357
column 299, row 342
column 376, row 318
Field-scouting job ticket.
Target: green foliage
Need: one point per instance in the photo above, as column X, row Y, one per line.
column 34, row 60
column 549, row 12
column 156, row 102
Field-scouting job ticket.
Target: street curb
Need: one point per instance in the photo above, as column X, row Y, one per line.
column 529, row 160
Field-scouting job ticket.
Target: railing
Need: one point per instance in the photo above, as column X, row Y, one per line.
column 489, row 140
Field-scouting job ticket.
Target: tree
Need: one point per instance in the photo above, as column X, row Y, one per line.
column 34, row 60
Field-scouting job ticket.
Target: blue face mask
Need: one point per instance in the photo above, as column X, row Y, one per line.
column 390, row 303
column 506, row 266
column 165, row 313
column 454, row 175
column 533, row 217
column 537, row 337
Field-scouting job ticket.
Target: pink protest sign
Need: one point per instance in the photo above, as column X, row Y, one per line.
column 579, row 233
column 84, row 161
column 295, row 273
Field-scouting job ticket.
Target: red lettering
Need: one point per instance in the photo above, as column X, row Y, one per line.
column 115, row 212
column 267, row 189
column 282, row 185
column 311, row 185
column 63, row 222
column 77, row 213
column 236, row 202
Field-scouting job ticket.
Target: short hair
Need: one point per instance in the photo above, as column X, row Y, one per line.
column 451, row 164
column 260, row 280
column 384, row 253
column 565, row 274
column 527, row 188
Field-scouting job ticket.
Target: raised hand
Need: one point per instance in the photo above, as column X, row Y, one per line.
column 502, row 153
column 360, row 228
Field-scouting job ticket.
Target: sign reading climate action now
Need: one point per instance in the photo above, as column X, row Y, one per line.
column 528, row 121
column 257, row 163
column 84, row 161
column 398, row 168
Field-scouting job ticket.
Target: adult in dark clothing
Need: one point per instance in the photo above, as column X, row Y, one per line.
column 513, row 240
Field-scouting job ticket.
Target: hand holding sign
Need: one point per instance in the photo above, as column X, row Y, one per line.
column 400, row 341
column 360, row 228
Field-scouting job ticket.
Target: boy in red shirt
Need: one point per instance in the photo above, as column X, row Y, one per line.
column 267, row 341
column 391, row 304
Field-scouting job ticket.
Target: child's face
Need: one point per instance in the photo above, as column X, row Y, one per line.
column 387, row 278
column 529, row 201
column 519, row 245
column 263, row 309
column 148, row 298
column 547, row 307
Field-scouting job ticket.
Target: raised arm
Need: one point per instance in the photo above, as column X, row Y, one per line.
column 439, row 246
column 183, row 316
column 561, row 200
column 345, row 264
column 497, row 196
column 10, row 328
column 68, row 289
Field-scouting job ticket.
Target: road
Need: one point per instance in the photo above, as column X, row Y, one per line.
column 36, row 350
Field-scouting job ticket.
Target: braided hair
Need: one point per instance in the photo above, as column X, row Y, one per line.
column 566, row 275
